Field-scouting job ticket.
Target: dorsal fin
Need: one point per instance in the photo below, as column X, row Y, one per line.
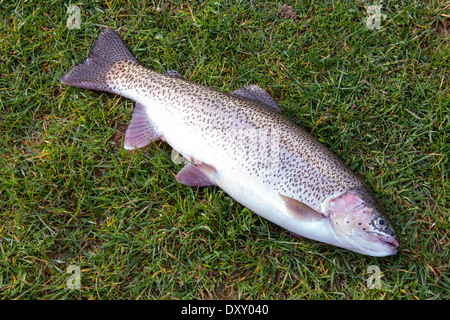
column 174, row 73
column 256, row 94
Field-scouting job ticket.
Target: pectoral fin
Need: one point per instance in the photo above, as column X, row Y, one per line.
column 301, row 211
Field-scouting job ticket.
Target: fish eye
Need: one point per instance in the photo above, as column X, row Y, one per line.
column 380, row 223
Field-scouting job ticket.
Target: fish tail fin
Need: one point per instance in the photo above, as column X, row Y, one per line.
column 107, row 50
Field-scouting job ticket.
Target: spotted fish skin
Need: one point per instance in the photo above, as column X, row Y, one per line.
column 219, row 119
column 242, row 143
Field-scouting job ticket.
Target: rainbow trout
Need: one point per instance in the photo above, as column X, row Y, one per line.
column 242, row 143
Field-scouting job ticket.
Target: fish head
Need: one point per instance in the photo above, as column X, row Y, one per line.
column 359, row 222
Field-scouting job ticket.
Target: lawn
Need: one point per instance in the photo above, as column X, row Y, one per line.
column 82, row 218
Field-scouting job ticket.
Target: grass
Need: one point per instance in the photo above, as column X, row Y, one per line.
column 70, row 195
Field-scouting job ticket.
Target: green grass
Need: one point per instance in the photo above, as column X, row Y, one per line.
column 70, row 195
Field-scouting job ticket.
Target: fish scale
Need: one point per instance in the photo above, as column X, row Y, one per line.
column 242, row 143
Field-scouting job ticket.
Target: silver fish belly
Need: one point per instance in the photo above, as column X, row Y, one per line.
column 242, row 143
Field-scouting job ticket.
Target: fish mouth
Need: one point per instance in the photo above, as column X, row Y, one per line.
column 389, row 242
